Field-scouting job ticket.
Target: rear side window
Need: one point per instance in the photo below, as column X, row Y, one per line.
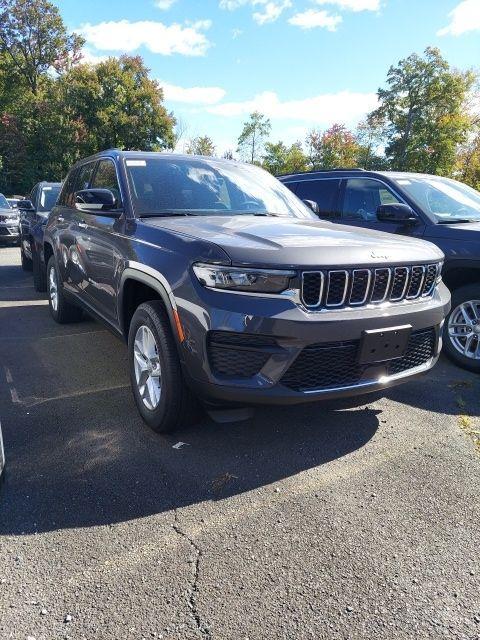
column 106, row 178
column 323, row 192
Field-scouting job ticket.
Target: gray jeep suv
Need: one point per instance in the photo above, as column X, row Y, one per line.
column 228, row 288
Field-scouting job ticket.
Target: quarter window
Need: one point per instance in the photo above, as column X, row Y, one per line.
column 323, row 192
column 66, row 198
column 363, row 197
column 85, row 176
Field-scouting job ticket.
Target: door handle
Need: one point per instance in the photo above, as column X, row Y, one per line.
column 83, row 225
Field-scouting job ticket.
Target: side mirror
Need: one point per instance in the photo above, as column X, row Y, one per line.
column 25, row 205
column 396, row 212
column 95, row 200
column 311, row 204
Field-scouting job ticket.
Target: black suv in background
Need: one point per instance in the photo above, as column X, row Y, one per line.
column 437, row 209
column 227, row 287
column 34, row 212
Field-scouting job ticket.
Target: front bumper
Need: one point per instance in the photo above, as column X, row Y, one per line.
column 289, row 332
column 9, row 230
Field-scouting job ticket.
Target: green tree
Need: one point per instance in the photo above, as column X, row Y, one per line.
column 201, row 146
column 371, row 136
column 252, row 138
column 34, row 39
column 423, row 107
column 280, row 159
column 335, row 147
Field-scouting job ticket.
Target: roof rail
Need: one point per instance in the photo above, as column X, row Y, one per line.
column 293, row 173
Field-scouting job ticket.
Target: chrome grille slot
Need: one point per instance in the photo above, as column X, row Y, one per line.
column 430, row 279
column 323, row 289
column 381, row 284
column 337, row 288
column 416, row 282
column 400, row 283
column 360, row 286
column 312, row 288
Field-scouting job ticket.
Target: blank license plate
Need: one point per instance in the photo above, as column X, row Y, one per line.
column 384, row 344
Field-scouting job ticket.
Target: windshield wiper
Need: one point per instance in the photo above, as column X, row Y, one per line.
column 164, row 215
column 457, row 221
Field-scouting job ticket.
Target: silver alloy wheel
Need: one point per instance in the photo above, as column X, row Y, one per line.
column 52, row 288
column 148, row 372
column 464, row 329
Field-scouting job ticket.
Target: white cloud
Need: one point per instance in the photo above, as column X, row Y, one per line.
column 345, row 106
column 268, row 10
column 271, row 11
column 311, row 19
column 352, row 5
column 164, row 4
column 192, row 95
column 465, row 17
column 92, row 58
column 158, row 38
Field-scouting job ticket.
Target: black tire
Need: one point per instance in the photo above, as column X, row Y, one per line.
column 177, row 406
column 459, row 296
column 39, row 274
column 65, row 312
column 27, row 264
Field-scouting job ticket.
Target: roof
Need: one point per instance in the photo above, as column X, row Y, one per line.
column 120, row 153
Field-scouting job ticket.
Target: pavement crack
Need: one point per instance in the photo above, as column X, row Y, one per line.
column 192, row 593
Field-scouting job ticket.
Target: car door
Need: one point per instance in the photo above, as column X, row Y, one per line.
column 360, row 198
column 95, row 246
column 324, row 191
column 62, row 225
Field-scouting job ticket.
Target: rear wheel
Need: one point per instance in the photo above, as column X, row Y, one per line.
column 39, row 273
column 462, row 328
column 61, row 309
column 159, row 389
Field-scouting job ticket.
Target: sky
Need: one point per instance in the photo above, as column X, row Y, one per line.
column 303, row 63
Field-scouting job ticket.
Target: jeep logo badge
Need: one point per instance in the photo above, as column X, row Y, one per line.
column 378, row 256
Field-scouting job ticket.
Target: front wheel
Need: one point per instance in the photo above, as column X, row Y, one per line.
column 61, row 309
column 161, row 395
column 462, row 328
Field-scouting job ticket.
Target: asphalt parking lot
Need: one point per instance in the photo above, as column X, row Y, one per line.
column 303, row 523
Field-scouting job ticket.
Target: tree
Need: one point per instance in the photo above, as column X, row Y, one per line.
column 335, row 147
column 252, row 138
column 201, row 146
column 228, row 155
column 423, row 108
column 34, row 39
column 370, row 136
column 280, row 159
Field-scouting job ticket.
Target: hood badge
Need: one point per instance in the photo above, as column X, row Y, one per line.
column 379, row 256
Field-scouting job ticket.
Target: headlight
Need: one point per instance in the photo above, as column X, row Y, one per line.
column 239, row 279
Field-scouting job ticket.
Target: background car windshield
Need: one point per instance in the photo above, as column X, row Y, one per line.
column 444, row 198
column 3, row 202
column 208, row 187
column 48, row 198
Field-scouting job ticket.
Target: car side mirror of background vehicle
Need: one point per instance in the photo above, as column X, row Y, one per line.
column 396, row 212
column 311, row 204
column 25, row 205
column 95, row 201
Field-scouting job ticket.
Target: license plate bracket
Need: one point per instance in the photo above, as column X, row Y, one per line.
column 378, row 345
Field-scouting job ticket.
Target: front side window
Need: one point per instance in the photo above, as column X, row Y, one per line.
column 363, row 197
column 162, row 185
column 3, row 202
column 66, row 198
column 85, row 175
column 48, row 198
column 106, row 178
column 323, row 192
column 444, row 199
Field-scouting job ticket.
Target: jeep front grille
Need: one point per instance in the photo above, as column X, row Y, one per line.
column 338, row 288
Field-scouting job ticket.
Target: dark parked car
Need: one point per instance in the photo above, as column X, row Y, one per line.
column 9, row 222
column 34, row 212
column 443, row 211
column 226, row 286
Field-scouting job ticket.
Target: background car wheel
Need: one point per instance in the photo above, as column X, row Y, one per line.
column 161, row 394
column 62, row 311
column 27, row 264
column 39, row 273
column 462, row 328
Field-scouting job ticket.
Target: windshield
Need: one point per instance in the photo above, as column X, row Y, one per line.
column 446, row 200
column 3, row 202
column 169, row 186
column 48, row 198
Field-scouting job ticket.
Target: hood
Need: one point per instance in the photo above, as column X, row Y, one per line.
column 295, row 242
column 470, row 231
